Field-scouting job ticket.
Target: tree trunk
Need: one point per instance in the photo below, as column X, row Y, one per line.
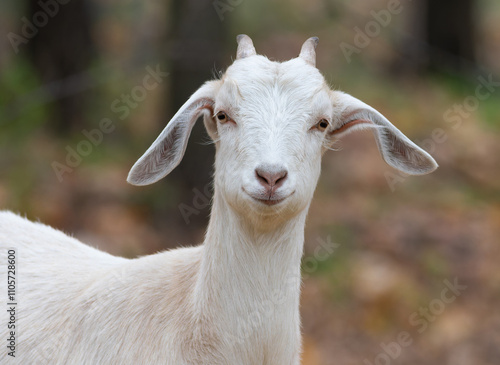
column 61, row 51
column 450, row 34
column 198, row 43
column 440, row 37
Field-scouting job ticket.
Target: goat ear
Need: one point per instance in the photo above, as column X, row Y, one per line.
column 396, row 149
column 167, row 150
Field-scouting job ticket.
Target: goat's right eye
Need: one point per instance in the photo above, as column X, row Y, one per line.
column 322, row 125
column 222, row 117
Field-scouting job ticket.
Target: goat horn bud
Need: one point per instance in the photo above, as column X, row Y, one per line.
column 307, row 52
column 245, row 47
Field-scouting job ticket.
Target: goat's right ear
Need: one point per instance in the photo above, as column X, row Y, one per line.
column 167, row 150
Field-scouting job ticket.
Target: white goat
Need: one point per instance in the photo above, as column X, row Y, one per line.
column 234, row 299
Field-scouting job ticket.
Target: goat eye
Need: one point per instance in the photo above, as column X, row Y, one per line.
column 222, row 117
column 322, row 125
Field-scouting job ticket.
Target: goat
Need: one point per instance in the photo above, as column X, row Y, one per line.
column 234, row 299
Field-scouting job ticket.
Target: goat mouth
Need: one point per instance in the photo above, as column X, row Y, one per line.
column 269, row 201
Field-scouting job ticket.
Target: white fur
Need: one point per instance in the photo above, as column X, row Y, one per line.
column 234, row 299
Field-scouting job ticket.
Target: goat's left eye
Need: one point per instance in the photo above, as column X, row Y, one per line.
column 322, row 125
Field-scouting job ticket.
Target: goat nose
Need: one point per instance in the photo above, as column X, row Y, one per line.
column 271, row 177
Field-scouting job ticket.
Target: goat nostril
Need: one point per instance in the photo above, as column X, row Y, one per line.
column 261, row 177
column 271, row 178
column 281, row 178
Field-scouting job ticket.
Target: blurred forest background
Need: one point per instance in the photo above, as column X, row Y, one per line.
column 77, row 109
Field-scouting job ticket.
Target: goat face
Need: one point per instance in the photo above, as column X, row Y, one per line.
column 270, row 125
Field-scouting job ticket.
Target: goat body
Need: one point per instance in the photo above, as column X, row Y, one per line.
column 197, row 305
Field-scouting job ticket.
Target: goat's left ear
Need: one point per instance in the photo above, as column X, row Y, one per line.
column 397, row 150
column 167, row 150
